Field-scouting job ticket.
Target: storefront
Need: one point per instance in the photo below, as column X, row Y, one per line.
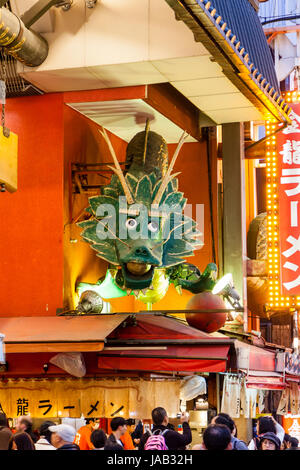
column 127, row 365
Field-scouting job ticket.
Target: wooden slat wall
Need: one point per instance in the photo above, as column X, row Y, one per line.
column 281, row 334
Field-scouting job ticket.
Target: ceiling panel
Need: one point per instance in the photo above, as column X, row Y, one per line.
column 188, row 68
column 130, row 74
column 222, row 116
column 205, row 86
column 220, row 101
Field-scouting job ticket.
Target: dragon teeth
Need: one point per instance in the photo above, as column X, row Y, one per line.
column 179, row 290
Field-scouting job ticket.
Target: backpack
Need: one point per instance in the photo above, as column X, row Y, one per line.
column 236, row 442
column 156, row 441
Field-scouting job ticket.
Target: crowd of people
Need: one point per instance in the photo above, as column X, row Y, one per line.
column 221, row 434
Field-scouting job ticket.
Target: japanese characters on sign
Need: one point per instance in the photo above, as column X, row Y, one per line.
column 72, row 398
column 288, row 145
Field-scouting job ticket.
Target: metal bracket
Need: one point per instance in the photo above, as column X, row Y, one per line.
column 90, row 3
column 6, row 131
column 41, row 7
column 65, row 5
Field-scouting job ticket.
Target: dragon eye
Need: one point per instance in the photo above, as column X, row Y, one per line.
column 153, row 227
column 131, row 223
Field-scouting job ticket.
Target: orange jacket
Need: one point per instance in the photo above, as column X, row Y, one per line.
column 83, row 438
column 127, row 441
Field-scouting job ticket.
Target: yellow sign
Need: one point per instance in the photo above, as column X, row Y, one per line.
column 9, row 161
column 63, row 398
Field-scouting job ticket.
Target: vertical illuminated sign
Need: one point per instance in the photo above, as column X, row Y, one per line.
column 283, row 209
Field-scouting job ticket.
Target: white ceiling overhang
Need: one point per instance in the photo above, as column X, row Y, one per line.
column 147, row 47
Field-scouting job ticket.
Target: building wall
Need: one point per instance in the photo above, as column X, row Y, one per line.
column 31, row 235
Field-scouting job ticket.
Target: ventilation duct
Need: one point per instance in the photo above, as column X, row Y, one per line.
column 23, row 44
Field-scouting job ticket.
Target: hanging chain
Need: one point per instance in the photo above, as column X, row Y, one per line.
column 5, row 131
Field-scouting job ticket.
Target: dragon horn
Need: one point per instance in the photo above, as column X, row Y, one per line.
column 167, row 176
column 146, row 139
column 118, row 169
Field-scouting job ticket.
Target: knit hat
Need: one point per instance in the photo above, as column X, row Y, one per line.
column 271, row 437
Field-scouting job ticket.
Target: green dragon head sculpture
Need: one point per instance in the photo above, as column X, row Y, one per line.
column 138, row 222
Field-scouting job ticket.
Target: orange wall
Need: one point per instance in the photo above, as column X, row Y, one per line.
column 31, row 249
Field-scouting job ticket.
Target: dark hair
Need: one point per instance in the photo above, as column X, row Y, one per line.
column 98, row 438
column 44, row 430
column 28, row 422
column 224, row 418
column 130, row 422
column 266, row 424
column 112, row 446
column 216, row 437
column 116, row 422
column 294, row 442
column 3, row 419
column 158, row 415
column 22, row 440
column 89, row 420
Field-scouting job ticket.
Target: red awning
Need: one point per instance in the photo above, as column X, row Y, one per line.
column 57, row 334
column 265, row 380
column 254, row 358
column 161, row 364
column 159, row 343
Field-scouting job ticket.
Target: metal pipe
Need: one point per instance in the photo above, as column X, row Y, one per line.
column 24, row 45
column 295, row 333
column 218, row 393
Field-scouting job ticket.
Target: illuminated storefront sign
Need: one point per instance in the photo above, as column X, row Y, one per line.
column 283, row 196
column 61, row 398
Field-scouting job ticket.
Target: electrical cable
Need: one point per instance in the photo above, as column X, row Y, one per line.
column 206, row 132
column 281, row 18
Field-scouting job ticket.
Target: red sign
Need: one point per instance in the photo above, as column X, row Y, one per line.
column 288, row 144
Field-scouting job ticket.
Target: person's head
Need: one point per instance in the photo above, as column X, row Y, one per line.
column 294, row 442
column 265, row 424
column 224, row 418
column 113, row 446
column 118, row 426
column 62, row 434
column 21, row 441
column 130, row 425
column 98, row 438
column 270, row 441
column 160, row 416
column 286, row 444
column 3, row 419
column 92, row 422
column 217, row 437
column 24, row 424
column 44, row 430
